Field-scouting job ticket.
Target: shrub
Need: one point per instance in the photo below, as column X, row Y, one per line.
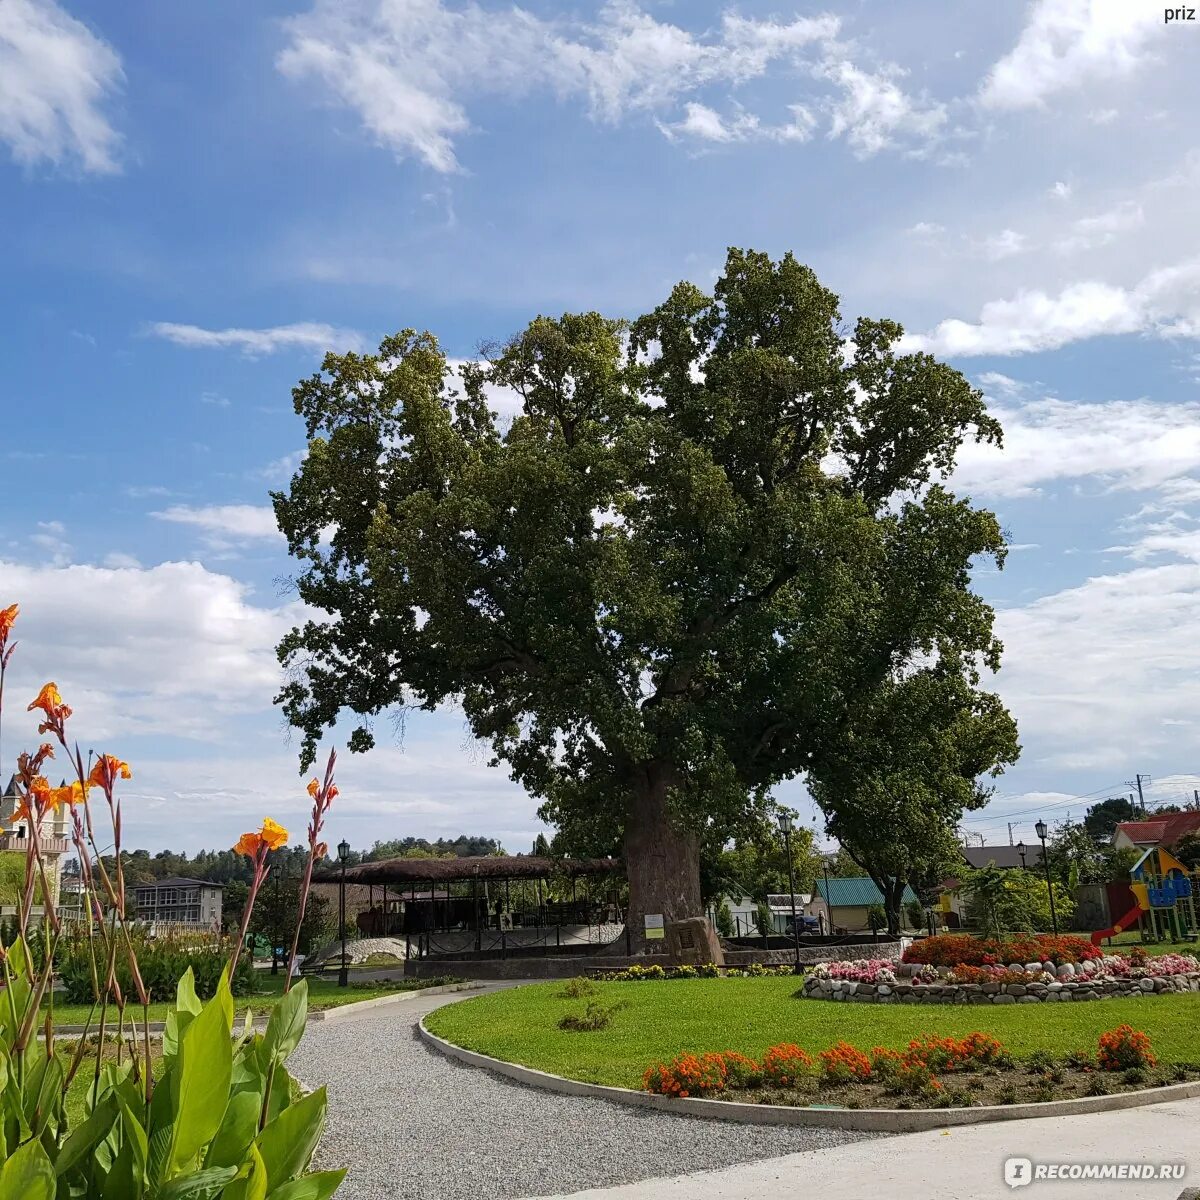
column 724, row 919
column 1124, row 1048
column 687, row 1075
column 595, row 1016
column 843, row 1062
column 915, row 914
column 578, row 988
column 162, row 963
column 785, row 1065
column 740, row 1071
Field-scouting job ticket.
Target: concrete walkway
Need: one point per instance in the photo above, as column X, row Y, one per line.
column 966, row 1163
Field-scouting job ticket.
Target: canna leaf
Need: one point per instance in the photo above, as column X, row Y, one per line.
column 288, row 1142
column 27, row 1174
column 320, row 1185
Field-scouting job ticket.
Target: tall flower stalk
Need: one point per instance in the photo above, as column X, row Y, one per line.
column 322, row 793
column 257, row 846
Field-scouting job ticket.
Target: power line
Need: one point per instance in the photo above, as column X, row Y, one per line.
column 1002, row 818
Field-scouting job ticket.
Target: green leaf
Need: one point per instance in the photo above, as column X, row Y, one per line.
column 288, row 1142
column 124, row 1181
column 251, row 1181
column 27, row 1174
column 238, row 1130
column 285, row 1027
column 186, row 999
column 320, row 1185
column 134, row 1133
column 205, row 1069
column 202, row 1185
column 84, row 1138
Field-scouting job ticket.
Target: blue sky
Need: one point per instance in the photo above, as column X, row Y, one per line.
column 196, row 202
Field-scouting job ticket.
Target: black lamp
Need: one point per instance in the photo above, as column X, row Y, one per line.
column 1040, row 830
column 785, row 827
column 343, row 853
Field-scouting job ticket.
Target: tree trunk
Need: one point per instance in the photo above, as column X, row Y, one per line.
column 892, row 899
column 662, row 862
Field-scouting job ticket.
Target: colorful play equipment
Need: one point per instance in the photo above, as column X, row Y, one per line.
column 1165, row 905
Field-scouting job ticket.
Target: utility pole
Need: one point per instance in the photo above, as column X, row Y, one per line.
column 1010, row 829
column 1137, row 782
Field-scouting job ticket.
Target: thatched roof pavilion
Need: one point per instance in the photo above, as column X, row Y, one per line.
column 492, row 866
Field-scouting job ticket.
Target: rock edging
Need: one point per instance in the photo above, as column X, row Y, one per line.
column 1079, row 988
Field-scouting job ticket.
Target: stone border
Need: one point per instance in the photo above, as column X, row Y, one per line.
column 1079, row 988
column 878, row 1120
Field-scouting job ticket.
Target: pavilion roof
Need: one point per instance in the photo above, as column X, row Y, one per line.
column 491, row 866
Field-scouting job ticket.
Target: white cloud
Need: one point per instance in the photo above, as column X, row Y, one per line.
column 1059, row 190
column 874, row 113
column 307, row 335
column 1095, row 673
column 1069, row 43
column 167, row 649
column 1165, row 303
column 1089, row 232
column 408, row 68
column 707, row 125
column 1133, row 445
column 226, row 524
column 1004, row 244
column 51, row 538
column 926, row 229
column 55, row 75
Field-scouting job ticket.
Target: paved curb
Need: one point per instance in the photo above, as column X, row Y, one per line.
column 878, row 1120
column 341, row 1012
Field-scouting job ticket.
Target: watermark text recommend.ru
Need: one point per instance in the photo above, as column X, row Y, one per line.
column 1021, row 1172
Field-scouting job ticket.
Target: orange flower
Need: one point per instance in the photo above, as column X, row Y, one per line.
column 51, row 703
column 107, row 770
column 70, row 795
column 314, row 787
column 270, row 837
column 8, row 617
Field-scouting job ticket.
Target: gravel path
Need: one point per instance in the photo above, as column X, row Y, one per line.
column 410, row 1123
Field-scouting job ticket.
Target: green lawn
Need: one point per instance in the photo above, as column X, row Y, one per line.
column 322, row 993
column 1124, row 942
column 748, row 1015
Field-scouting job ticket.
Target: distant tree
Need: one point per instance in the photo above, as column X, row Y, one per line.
column 908, row 764
column 915, row 914
column 1013, row 901
column 762, row 919
column 1101, row 820
column 756, row 865
column 724, row 919
column 541, row 847
column 843, row 866
column 1187, row 850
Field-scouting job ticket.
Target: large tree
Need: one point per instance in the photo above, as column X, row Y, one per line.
column 913, row 756
column 665, row 584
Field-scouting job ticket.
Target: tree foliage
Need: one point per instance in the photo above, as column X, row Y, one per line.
column 895, row 784
column 1102, row 819
column 669, row 582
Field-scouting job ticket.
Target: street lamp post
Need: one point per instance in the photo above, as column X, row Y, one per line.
column 1040, row 829
column 828, row 902
column 1021, row 849
column 343, row 856
column 785, row 827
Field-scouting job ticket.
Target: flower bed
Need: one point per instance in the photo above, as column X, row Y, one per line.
column 961, row 949
column 930, row 1072
column 881, row 982
column 637, row 973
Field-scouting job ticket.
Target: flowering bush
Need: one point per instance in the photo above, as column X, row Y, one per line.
column 953, row 1054
column 843, row 1062
column 1124, row 1048
column 784, row 1065
column 859, row 970
column 960, row 949
column 740, row 1071
column 687, row 1075
column 965, row 974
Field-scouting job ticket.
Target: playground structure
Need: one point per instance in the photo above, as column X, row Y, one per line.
column 1165, row 906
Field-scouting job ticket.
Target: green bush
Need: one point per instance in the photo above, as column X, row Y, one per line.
column 724, row 919
column 162, row 964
